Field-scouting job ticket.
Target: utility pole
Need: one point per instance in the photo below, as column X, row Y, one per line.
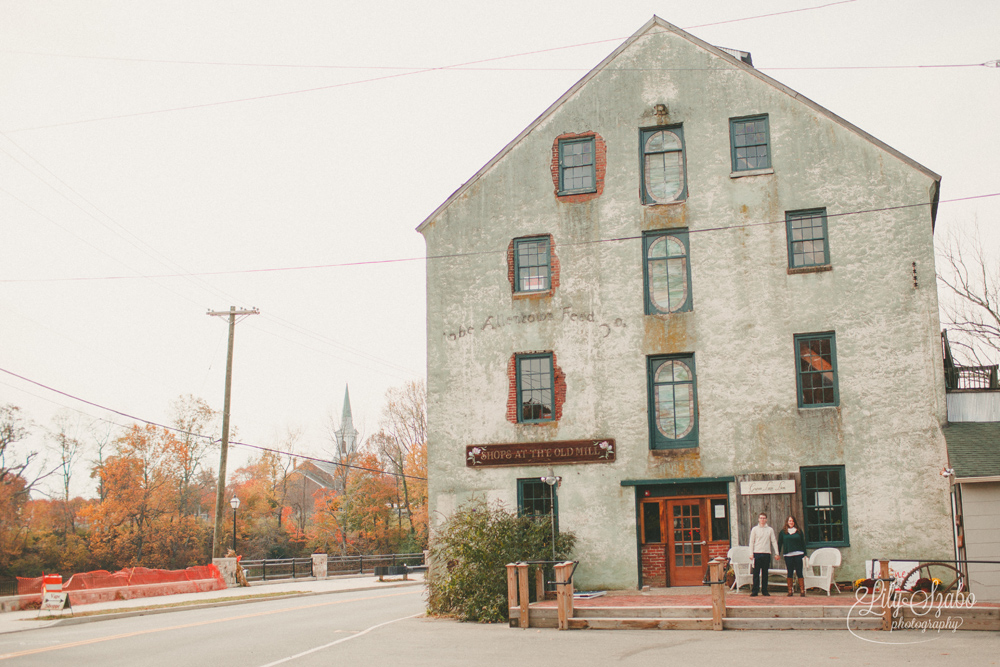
column 218, row 536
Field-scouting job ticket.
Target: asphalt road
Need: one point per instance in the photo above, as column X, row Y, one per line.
column 251, row 635
column 386, row 628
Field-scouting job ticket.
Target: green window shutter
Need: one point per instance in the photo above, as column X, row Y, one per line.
column 535, row 388
column 666, row 272
column 673, row 402
column 807, row 238
column 577, row 166
column 662, row 165
column 816, row 370
column 750, row 142
column 824, row 499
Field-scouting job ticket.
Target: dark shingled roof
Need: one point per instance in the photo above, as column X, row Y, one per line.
column 974, row 448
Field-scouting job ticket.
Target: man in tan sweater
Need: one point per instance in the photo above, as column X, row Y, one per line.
column 763, row 543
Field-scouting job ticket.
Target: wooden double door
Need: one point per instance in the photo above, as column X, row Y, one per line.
column 678, row 533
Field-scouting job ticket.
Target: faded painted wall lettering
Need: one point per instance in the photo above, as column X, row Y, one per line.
column 565, row 316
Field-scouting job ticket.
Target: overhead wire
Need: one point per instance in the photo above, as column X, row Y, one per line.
column 453, row 67
column 473, row 253
column 212, row 440
column 414, row 69
column 155, row 254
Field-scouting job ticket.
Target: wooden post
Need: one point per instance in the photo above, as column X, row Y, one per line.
column 539, row 583
column 511, row 587
column 717, row 570
column 523, row 593
column 886, row 595
column 564, row 594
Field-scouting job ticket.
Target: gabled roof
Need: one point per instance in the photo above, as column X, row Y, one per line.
column 735, row 62
column 320, row 472
column 974, row 449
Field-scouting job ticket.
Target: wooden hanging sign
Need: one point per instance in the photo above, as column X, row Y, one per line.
column 540, row 453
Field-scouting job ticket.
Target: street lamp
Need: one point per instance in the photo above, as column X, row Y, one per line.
column 552, row 480
column 235, row 504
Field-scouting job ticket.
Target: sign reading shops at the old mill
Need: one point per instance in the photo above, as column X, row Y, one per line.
column 767, row 486
column 540, row 453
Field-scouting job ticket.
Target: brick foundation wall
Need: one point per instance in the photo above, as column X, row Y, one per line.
column 654, row 565
column 600, row 166
column 717, row 549
column 654, row 562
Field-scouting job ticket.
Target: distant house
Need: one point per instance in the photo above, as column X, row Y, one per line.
column 973, row 435
column 686, row 293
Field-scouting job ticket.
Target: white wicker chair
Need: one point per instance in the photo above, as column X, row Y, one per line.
column 741, row 559
column 826, row 560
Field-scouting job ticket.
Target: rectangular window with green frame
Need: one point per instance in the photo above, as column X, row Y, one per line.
column 816, row 369
column 824, row 499
column 532, row 264
column 666, row 271
column 537, row 499
column 750, row 141
column 663, row 176
column 807, row 240
column 673, row 402
column 577, row 167
column 535, row 395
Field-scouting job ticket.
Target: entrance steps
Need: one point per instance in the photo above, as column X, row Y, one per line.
column 699, row 617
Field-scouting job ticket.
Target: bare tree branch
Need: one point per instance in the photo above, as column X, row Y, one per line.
column 970, row 274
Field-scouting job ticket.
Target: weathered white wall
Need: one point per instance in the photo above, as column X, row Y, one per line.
column 974, row 406
column 886, row 430
column 981, row 514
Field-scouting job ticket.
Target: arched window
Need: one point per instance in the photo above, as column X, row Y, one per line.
column 668, row 274
column 673, row 404
column 663, row 166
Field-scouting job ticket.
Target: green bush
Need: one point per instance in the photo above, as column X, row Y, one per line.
column 469, row 556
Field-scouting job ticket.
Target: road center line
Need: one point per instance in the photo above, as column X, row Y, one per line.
column 334, row 643
column 126, row 635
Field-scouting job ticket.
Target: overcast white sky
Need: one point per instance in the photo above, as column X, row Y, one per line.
column 186, row 138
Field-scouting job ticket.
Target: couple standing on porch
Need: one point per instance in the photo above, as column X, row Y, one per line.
column 790, row 543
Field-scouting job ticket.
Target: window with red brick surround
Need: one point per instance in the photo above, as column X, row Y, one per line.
column 600, row 166
column 558, row 388
column 553, row 270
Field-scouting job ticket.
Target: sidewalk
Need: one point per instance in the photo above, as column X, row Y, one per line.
column 17, row 621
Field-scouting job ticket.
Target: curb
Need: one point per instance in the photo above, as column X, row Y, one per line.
column 218, row 602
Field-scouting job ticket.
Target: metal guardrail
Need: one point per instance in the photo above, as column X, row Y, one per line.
column 8, row 587
column 278, row 568
column 971, row 377
column 367, row 563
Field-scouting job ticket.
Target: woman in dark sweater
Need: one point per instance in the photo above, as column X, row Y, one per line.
column 792, row 545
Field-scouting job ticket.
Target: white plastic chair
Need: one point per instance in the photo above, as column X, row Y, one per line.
column 741, row 559
column 826, row 560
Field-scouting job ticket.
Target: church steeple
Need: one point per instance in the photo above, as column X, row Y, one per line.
column 345, row 417
column 346, row 435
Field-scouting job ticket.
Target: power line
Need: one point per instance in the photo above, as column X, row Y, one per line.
column 200, row 435
column 469, row 68
column 374, row 262
column 400, row 74
column 155, row 254
column 219, row 63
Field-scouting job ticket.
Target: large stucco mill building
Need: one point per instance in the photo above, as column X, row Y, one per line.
column 691, row 294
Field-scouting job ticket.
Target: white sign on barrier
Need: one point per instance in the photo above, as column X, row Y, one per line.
column 55, row 601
